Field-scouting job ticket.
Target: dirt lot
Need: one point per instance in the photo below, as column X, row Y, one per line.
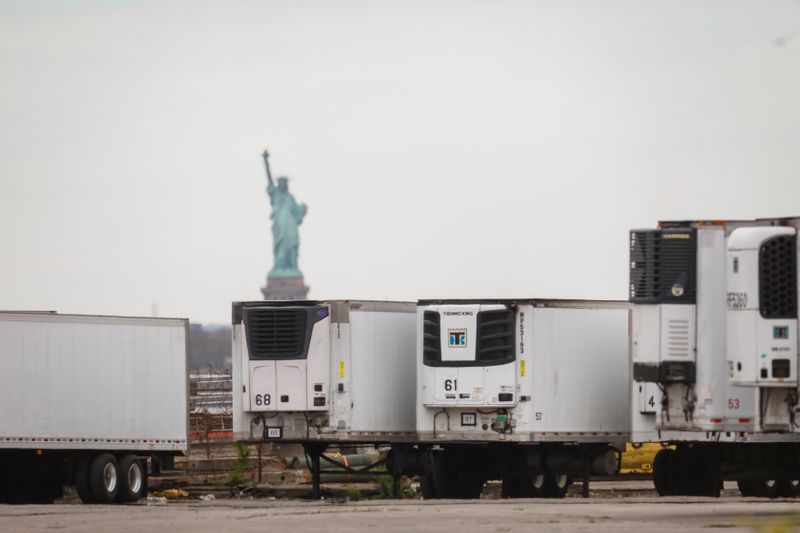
column 571, row 514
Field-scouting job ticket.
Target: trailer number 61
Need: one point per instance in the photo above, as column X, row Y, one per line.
column 263, row 399
column 450, row 384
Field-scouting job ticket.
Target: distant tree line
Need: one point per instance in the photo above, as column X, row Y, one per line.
column 209, row 346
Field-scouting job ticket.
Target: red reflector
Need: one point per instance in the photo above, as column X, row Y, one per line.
column 716, row 420
column 744, row 420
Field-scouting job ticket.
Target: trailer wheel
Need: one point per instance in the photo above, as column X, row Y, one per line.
column 663, row 472
column 104, row 478
column 555, row 486
column 82, row 479
column 704, row 475
column 776, row 488
column 131, row 479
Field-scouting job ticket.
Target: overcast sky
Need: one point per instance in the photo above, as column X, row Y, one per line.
column 445, row 149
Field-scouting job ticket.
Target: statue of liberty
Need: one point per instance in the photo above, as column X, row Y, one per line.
column 286, row 216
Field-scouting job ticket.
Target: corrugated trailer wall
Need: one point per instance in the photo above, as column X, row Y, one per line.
column 73, row 382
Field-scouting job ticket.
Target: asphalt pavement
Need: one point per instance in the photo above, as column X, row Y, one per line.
column 572, row 514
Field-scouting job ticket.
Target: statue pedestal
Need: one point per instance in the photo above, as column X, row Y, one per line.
column 285, row 289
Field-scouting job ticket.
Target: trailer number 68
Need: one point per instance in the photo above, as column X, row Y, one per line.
column 263, row 399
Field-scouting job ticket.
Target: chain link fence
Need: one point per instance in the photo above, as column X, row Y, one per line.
column 214, row 457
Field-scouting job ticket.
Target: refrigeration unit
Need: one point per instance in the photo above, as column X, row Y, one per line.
column 762, row 320
column 339, row 370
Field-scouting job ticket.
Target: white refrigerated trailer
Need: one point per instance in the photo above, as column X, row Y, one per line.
column 86, row 400
column 714, row 353
column 319, row 373
column 529, row 391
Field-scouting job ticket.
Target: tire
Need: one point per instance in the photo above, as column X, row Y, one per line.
column 703, row 474
column 104, row 478
column 82, row 479
column 555, row 485
column 663, row 472
column 132, row 479
column 775, row 488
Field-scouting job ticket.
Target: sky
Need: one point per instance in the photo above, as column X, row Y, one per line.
column 445, row 149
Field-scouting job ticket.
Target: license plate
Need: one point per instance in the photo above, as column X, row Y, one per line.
column 274, row 433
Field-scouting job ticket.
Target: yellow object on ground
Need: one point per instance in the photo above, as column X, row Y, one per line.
column 171, row 494
column 639, row 459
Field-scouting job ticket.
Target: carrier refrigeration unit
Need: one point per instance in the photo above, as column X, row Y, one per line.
column 324, row 372
column 86, row 400
column 714, row 352
column 527, row 391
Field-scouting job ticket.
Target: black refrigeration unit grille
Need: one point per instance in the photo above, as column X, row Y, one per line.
column 663, row 266
column 777, row 273
column 276, row 333
column 431, row 340
column 495, row 337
